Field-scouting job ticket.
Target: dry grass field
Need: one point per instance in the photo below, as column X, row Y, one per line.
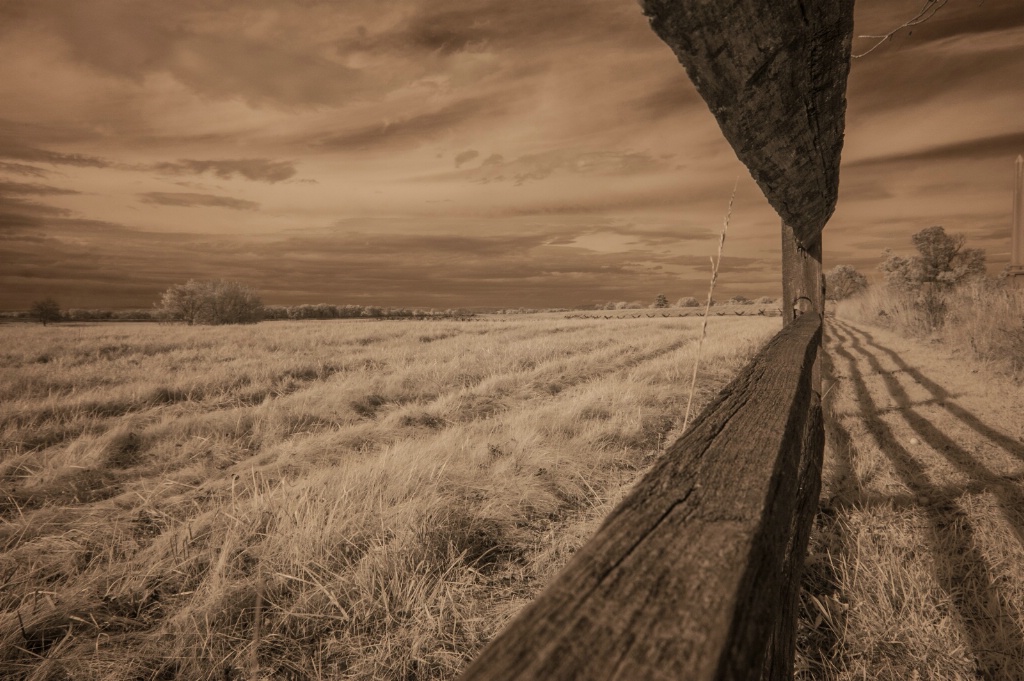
column 917, row 559
column 344, row 500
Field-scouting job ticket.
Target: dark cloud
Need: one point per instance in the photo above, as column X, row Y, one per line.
column 32, row 189
column 22, row 169
column 465, row 157
column 190, row 199
column 453, row 26
column 20, row 213
column 256, row 169
column 215, row 50
column 983, row 148
column 918, row 77
column 33, row 155
column 860, row 186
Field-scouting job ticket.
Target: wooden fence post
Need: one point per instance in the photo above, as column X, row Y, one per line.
column 802, row 283
column 803, row 293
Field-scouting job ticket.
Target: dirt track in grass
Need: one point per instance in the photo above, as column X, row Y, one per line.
column 917, row 561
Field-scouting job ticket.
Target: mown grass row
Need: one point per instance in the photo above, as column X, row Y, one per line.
column 380, row 519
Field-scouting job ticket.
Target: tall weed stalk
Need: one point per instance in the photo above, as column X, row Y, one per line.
column 707, row 305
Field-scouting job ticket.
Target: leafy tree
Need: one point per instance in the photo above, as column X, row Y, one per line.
column 211, row 302
column 184, row 302
column 660, row 301
column 942, row 262
column 233, row 303
column 688, row 301
column 843, row 281
column 45, row 311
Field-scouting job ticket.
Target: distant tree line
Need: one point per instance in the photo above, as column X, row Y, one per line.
column 326, row 311
column 48, row 311
column 661, row 301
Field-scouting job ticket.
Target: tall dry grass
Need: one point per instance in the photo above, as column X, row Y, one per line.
column 340, row 499
column 983, row 318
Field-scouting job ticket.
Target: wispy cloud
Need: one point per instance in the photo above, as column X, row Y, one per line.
column 465, row 156
column 978, row 148
column 34, row 155
column 536, row 167
column 408, row 131
column 256, row 169
column 22, row 169
column 191, row 200
column 452, row 151
column 33, row 189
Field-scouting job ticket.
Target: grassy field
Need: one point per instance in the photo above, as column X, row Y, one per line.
column 916, row 566
column 343, row 499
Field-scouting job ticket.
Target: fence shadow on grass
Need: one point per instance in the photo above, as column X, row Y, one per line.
column 963, row 571
column 1006, row 442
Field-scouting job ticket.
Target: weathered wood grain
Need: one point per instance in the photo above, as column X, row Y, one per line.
column 803, row 286
column 774, row 75
column 685, row 577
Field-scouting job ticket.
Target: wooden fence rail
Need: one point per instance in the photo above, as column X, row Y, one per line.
column 694, row 574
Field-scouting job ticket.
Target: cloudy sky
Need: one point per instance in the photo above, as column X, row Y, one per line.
column 454, row 152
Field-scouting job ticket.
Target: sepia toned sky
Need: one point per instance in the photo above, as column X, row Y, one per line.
column 455, row 152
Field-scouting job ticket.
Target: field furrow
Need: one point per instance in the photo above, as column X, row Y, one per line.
column 381, row 518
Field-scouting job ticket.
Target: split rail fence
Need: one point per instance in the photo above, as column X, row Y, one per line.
column 695, row 575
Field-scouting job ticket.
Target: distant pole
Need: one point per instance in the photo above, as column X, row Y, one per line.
column 1017, row 236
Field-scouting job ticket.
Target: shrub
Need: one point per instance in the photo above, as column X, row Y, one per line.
column 986, row 318
column 942, row 264
column 843, row 281
column 688, row 301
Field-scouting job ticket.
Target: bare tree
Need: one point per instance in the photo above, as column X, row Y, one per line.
column 45, row 311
